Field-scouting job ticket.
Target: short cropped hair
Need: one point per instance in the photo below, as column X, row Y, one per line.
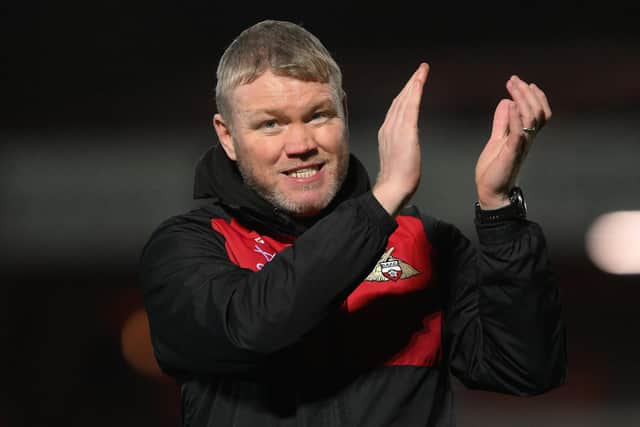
column 284, row 48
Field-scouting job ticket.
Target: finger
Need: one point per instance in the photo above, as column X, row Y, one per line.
column 543, row 100
column 392, row 112
column 499, row 130
column 518, row 142
column 528, row 117
column 409, row 109
column 533, row 101
column 394, row 117
column 516, row 134
column 408, row 86
column 509, row 156
column 500, row 126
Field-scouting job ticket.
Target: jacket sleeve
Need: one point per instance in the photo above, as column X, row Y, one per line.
column 207, row 315
column 503, row 326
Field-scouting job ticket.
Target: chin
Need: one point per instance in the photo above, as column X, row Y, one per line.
column 300, row 209
column 305, row 206
column 307, row 211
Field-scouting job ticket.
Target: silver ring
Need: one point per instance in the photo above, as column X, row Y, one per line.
column 533, row 128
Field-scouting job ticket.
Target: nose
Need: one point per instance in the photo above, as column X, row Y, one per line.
column 299, row 140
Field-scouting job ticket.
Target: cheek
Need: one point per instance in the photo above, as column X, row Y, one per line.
column 259, row 153
column 332, row 139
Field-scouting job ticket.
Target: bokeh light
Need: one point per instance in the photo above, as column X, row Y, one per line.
column 613, row 242
column 136, row 345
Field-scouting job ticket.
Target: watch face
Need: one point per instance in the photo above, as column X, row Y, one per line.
column 517, row 198
column 517, row 209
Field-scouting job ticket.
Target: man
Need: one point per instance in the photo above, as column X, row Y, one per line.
column 300, row 296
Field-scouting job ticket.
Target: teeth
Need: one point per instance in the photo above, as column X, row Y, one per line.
column 303, row 173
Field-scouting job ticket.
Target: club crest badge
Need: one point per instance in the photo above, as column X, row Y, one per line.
column 391, row 268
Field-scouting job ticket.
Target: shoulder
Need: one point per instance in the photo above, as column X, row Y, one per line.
column 438, row 231
column 183, row 230
column 194, row 219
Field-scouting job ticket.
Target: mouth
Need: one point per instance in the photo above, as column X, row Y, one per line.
column 304, row 172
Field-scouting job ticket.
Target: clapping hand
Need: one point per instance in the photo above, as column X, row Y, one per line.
column 516, row 122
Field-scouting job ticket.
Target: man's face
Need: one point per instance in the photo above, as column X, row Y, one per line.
column 289, row 140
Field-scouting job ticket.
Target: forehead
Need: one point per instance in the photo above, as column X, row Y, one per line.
column 271, row 92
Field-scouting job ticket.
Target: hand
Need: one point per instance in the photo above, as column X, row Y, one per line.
column 500, row 161
column 399, row 145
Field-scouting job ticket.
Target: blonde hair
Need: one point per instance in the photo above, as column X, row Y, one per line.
column 284, row 48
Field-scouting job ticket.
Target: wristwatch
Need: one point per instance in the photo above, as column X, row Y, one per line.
column 517, row 209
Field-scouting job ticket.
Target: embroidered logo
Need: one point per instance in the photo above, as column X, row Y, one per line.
column 267, row 256
column 391, row 268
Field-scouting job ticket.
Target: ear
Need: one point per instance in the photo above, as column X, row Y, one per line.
column 345, row 110
column 224, row 136
column 345, row 107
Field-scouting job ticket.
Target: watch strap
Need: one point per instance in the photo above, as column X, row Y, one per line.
column 516, row 209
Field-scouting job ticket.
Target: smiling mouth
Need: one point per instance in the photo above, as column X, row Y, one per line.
column 306, row 172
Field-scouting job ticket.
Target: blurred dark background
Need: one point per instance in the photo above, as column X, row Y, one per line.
column 107, row 106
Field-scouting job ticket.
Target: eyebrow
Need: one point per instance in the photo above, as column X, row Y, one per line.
column 324, row 103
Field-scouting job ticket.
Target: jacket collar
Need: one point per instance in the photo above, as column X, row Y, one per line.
column 217, row 177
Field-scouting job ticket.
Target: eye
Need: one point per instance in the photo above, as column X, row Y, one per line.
column 269, row 124
column 319, row 116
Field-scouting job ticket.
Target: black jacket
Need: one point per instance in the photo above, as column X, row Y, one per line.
column 355, row 318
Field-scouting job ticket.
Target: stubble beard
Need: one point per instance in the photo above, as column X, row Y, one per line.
column 296, row 208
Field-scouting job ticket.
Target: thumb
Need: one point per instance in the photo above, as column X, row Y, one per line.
column 501, row 119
